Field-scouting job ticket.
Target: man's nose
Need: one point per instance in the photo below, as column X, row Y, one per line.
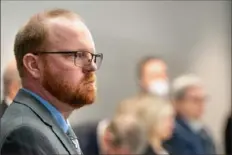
column 90, row 68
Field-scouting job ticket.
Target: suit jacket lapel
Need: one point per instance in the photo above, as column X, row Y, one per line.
column 192, row 137
column 46, row 117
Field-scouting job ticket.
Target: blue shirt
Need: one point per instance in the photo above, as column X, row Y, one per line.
column 55, row 113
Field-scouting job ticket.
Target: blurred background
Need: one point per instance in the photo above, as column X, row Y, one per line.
column 192, row 36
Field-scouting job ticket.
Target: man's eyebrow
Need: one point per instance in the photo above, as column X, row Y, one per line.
column 91, row 50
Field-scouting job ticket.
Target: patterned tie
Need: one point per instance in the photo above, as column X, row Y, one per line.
column 74, row 140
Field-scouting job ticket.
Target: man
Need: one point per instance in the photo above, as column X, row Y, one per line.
column 153, row 81
column 153, row 78
column 124, row 134
column 11, row 85
column 56, row 60
column 190, row 135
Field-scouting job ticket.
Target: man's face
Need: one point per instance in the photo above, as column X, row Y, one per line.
column 70, row 84
column 154, row 77
column 193, row 103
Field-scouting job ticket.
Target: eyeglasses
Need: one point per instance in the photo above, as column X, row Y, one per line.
column 81, row 58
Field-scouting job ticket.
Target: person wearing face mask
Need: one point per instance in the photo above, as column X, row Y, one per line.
column 153, row 82
column 153, row 78
column 190, row 134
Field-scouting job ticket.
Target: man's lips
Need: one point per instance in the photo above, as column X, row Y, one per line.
column 90, row 82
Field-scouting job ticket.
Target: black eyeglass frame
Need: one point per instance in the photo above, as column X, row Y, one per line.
column 75, row 55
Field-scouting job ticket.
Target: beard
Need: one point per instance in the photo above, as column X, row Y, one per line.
column 75, row 96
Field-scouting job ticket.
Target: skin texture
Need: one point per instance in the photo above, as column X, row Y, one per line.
column 153, row 70
column 54, row 76
column 193, row 104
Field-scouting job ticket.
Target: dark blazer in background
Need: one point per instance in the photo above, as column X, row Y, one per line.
column 228, row 136
column 28, row 128
column 186, row 142
column 87, row 136
column 3, row 107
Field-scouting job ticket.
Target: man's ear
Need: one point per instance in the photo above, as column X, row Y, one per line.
column 30, row 62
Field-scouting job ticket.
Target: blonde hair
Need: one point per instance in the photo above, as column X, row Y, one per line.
column 128, row 131
column 153, row 111
column 133, row 105
column 148, row 108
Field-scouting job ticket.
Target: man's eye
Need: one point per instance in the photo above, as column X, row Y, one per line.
column 69, row 55
column 80, row 55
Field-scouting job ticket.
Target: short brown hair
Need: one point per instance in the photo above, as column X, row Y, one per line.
column 33, row 35
column 143, row 62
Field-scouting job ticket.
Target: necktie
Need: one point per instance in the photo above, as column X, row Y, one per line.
column 74, row 140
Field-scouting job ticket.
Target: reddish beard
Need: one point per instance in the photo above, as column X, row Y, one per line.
column 76, row 96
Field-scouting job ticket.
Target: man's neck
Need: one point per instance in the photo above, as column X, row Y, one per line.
column 64, row 109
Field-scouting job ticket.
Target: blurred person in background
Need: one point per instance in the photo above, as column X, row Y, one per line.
column 153, row 78
column 11, row 85
column 228, row 135
column 90, row 135
column 190, row 135
column 153, row 81
column 123, row 134
column 56, row 60
column 158, row 116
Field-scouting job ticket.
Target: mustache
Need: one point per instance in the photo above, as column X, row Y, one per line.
column 90, row 77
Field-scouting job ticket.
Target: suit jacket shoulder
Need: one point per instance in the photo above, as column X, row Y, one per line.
column 28, row 114
column 26, row 140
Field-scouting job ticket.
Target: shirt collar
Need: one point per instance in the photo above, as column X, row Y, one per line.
column 196, row 125
column 55, row 113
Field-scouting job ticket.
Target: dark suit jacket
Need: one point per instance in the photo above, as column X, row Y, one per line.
column 228, row 136
column 3, row 107
column 186, row 142
column 150, row 151
column 27, row 128
column 87, row 136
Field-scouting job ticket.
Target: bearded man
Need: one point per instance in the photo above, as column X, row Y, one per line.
column 56, row 60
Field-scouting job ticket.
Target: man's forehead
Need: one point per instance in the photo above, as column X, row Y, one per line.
column 155, row 66
column 62, row 29
column 196, row 91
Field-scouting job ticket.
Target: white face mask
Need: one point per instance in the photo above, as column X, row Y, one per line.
column 159, row 88
column 196, row 125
